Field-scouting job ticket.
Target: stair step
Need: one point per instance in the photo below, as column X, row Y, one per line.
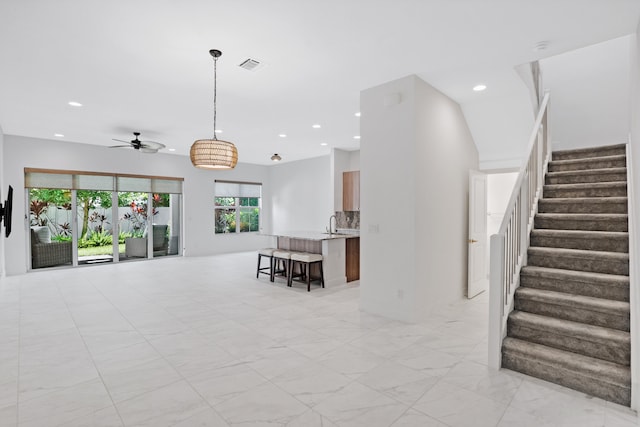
column 577, row 308
column 596, row 377
column 608, row 241
column 580, row 260
column 589, row 340
column 594, row 205
column 609, row 286
column 582, row 153
column 593, row 189
column 591, row 222
column 618, row 161
column 583, row 176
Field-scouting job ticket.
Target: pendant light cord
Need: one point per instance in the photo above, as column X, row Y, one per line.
column 215, row 95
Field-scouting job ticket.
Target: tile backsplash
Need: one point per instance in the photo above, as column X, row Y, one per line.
column 350, row 220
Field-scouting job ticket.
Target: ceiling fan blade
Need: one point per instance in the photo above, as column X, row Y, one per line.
column 144, row 146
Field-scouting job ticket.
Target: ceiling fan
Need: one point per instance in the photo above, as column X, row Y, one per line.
column 143, row 146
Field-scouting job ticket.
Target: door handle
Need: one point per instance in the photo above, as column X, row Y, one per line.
column 472, row 241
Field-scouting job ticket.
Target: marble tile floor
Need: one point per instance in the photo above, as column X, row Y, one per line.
column 202, row 342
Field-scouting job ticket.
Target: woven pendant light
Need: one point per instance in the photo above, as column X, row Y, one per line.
column 214, row 153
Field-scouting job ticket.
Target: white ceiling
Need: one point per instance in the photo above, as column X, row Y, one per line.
column 144, row 65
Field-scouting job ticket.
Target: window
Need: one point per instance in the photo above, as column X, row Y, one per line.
column 100, row 217
column 237, row 207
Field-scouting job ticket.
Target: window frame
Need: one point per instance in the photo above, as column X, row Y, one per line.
column 238, row 207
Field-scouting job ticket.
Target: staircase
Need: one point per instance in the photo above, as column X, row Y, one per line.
column 570, row 323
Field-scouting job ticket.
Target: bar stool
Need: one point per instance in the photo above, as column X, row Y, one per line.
column 267, row 253
column 285, row 257
column 305, row 260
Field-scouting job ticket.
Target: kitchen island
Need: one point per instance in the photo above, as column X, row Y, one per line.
column 331, row 246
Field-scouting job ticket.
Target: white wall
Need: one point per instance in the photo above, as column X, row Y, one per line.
column 2, row 197
column 301, row 195
column 584, row 114
column 499, row 189
column 339, row 164
column 354, row 160
column 198, row 191
column 634, row 168
column 342, row 161
column 501, row 128
column 501, row 120
column 418, row 153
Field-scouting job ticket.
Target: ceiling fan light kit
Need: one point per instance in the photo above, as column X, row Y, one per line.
column 214, row 153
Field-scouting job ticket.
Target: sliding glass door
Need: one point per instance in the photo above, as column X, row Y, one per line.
column 51, row 229
column 166, row 224
column 96, row 218
column 95, row 226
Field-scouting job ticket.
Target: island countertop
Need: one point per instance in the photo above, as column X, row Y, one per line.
column 315, row 235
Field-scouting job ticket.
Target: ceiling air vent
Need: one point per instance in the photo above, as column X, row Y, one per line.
column 250, row 64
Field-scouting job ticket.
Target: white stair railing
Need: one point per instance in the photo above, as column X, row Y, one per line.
column 509, row 246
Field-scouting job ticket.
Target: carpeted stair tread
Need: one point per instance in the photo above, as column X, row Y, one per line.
column 589, row 152
column 610, row 286
column 592, row 189
column 597, row 334
column 582, row 221
column 595, row 304
column 578, row 308
column 581, row 338
column 602, row 162
column 586, row 205
column 578, row 259
column 611, row 241
column 588, row 175
column 606, row 380
column 608, row 371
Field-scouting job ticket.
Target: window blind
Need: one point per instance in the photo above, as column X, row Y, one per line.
column 238, row 189
column 73, row 180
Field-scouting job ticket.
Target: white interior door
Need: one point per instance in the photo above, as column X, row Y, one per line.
column 477, row 241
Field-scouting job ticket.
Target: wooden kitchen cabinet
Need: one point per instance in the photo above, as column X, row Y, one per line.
column 351, row 191
column 353, row 259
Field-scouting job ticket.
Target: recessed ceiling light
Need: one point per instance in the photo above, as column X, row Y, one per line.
column 358, row 114
column 283, row 135
column 276, row 157
column 75, row 104
column 316, row 126
column 172, row 149
column 479, row 88
column 356, row 137
column 324, row 144
column 218, row 130
column 58, row 135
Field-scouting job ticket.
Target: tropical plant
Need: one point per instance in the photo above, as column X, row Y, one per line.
column 138, row 215
column 64, row 229
column 91, row 199
column 96, row 239
column 38, row 211
column 100, row 219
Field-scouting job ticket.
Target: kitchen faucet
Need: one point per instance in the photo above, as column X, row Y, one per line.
column 330, row 230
